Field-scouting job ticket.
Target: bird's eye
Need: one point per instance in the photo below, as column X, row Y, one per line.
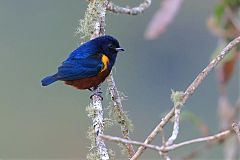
column 110, row 45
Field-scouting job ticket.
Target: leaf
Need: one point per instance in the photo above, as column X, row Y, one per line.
column 162, row 18
column 232, row 3
column 219, row 12
column 226, row 70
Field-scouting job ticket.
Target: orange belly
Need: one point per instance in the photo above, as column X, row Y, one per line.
column 87, row 83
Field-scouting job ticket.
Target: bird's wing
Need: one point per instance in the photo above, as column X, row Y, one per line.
column 86, row 50
column 79, row 68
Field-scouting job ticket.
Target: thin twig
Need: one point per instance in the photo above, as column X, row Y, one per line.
column 189, row 91
column 125, row 141
column 116, row 99
column 163, row 154
column 131, row 11
column 217, row 137
column 175, row 128
column 163, row 136
column 236, row 128
column 206, row 147
column 177, row 101
column 153, row 134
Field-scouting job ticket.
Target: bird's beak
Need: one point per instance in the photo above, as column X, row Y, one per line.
column 119, row 49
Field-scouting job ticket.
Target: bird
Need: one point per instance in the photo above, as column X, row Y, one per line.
column 87, row 66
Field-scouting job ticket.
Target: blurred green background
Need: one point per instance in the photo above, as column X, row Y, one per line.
column 36, row 36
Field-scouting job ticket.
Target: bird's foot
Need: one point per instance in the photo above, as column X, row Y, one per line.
column 96, row 92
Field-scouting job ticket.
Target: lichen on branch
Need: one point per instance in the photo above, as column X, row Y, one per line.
column 91, row 23
column 91, row 27
column 126, row 10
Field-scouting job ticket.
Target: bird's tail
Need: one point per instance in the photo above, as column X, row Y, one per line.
column 49, row 80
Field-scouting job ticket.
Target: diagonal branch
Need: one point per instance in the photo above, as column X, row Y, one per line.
column 154, row 133
column 122, row 121
column 189, row 91
column 131, row 11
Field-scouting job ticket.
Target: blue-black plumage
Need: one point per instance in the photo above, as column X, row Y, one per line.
column 84, row 66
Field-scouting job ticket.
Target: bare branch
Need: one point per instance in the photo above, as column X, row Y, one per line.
column 177, row 101
column 175, row 127
column 153, row 134
column 203, row 149
column 189, row 91
column 217, row 137
column 131, row 11
column 125, row 141
column 236, row 128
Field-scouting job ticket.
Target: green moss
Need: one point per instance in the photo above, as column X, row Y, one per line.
column 176, row 97
column 85, row 29
column 91, row 111
column 111, row 154
column 91, row 136
column 86, row 25
column 219, row 13
column 123, row 148
column 108, row 122
column 93, row 156
column 119, row 117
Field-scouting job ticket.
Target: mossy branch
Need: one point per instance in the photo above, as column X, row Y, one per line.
column 126, row 10
column 176, row 97
column 93, row 23
column 91, row 27
column 117, row 112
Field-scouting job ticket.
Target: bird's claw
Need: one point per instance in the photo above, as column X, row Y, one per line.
column 96, row 92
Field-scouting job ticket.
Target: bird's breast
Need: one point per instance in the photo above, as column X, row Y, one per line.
column 94, row 81
column 89, row 82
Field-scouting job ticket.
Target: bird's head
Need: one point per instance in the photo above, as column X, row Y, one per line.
column 109, row 46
